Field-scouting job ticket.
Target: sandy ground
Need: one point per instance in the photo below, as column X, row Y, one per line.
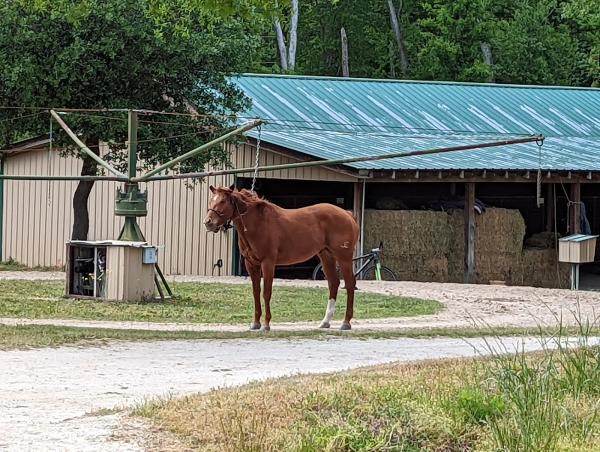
column 48, row 396
column 464, row 306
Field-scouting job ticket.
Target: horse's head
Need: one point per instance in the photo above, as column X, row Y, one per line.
column 221, row 208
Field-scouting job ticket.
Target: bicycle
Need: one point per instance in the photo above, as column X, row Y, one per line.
column 371, row 269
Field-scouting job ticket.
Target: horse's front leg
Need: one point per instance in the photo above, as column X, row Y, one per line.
column 268, row 271
column 254, row 272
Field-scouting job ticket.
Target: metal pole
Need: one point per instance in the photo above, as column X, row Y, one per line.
column 465, row 147
column 131, row 230
column 83, row 147
column 56, row 178
column 132, row 144
column 193, row 152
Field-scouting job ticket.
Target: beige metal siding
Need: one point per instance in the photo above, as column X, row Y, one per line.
column 38, row 214
column 136, row 282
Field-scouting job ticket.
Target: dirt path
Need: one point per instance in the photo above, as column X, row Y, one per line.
column 465, row 305
column 47, row 395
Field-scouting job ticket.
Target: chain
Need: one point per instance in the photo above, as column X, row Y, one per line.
column 257, row 160
column 539, row 143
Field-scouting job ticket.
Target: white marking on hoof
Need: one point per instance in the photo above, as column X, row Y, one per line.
column 266, row 328
column 255, row 326
column 328, row 314
column 345, row 327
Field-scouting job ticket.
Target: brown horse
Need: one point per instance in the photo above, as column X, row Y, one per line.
column 270, row 235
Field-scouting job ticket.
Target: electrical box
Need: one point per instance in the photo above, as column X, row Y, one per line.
column 110, row 270
column 150, row 255
column 577, row 248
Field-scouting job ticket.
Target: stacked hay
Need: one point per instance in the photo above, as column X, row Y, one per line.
column 540, row 268
column 416, row 243
column 429, row 246
column 499, row 237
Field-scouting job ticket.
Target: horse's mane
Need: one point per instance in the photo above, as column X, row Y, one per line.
column 251, row 197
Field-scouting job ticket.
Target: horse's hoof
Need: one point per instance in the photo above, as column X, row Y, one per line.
column 324, row 325
column 266, row 328
column 345, row 327
column 255, row 326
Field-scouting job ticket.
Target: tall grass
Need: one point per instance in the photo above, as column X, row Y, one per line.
column 538, row 390
column 509, row 401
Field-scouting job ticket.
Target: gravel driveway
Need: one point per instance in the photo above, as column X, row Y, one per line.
column 47, row 395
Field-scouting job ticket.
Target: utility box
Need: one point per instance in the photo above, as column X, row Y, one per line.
column 110, row 270
column 577, row 248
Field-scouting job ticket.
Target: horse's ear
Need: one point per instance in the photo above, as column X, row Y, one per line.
column 212, row 189
column 232, row 187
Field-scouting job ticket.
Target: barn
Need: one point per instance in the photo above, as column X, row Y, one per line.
column 515, row 200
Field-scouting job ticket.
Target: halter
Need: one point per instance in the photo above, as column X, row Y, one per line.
column 227, row 224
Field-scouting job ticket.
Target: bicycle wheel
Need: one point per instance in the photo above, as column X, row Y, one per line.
column 318, row 273
column 386, row 273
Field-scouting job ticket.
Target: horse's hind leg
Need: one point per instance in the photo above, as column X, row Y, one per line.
column 333, row 281
column 254, row 271
column 350, row 282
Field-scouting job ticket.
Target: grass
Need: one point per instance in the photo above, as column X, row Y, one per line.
column 12, row 265
column 35, row 336
column 547, row 401
column 200, row 303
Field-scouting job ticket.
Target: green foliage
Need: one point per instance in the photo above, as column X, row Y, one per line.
column 478, row 407
column 532, row 42
column 125, row 54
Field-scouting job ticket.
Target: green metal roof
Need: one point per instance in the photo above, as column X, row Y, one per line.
column 331, row 118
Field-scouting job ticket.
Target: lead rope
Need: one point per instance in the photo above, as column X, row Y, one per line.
column 539, row 143
column 257, row 160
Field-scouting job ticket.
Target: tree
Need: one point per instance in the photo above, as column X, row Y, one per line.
column 287, row 56
column 140, row 54
column 397, row 29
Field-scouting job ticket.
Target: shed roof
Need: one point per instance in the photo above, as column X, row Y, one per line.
column 331, row 118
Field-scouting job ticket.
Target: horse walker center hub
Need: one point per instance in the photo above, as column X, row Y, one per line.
column 111, row 270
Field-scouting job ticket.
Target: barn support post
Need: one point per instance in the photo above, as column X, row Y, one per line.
column 575, row 220
column 359, row 213
column 469, row 232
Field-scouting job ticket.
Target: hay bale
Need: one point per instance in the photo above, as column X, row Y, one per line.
column 416, row 242
column 429, row 246
column 499, row 231
column 499, row 237
column 407, row 232
column 540, row 268
column 542, row 240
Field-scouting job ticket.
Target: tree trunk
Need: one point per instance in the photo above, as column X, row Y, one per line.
column 399, row 38
column 293, row 36
column 281, row 45
column 81, row 218
column 345, row 67
column 486, row 49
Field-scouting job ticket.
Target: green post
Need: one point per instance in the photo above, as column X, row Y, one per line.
column 131, row 203
column 1, row 203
